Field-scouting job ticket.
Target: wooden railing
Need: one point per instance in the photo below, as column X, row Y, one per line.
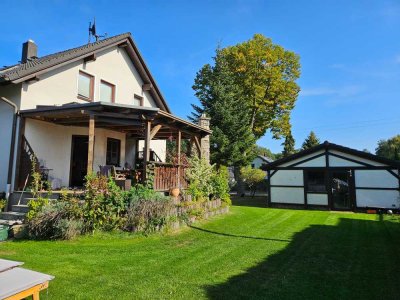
column 167, row 176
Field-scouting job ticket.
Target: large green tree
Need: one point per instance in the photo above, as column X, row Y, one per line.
column 310, row 141
column 255, row 79
column 389, row 148
column 232, row 141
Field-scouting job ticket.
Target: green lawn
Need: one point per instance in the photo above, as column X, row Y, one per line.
column 254, row 252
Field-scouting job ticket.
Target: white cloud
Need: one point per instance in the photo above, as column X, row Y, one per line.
column 343, row 91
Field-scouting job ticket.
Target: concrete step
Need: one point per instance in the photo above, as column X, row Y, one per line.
column 12, row 216
column 24, row 197
column 20, row 208
column 10, row 222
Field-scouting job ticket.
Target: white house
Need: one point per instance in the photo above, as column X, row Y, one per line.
column 81, row 108
column 334, row 177
column 260, row 160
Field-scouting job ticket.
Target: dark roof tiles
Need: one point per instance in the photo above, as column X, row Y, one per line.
column 34, row 65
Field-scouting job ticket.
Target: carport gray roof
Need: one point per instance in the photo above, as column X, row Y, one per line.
column 21, row 72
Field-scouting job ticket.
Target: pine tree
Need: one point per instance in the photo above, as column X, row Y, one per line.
column 288, row 145
column 310, row 141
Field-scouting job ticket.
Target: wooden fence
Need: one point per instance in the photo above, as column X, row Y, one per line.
column 167, row 176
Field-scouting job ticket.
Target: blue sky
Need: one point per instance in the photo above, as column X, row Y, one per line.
column 350, row 52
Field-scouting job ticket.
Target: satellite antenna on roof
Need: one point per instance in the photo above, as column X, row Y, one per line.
column 92, row 32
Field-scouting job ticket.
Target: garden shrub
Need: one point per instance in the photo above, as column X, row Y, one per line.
column 3, row 203
column 206, row 181
column 36, row 189
column 220, row 184
column 105, row 203
column 199, row 174
column 252, row 177
column 53, row 222
column 35, row 206
column 148, row 215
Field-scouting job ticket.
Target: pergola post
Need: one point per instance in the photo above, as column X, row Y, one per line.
column 179, row 146
column 91, row 144
column 178, row 152
column 146, row 152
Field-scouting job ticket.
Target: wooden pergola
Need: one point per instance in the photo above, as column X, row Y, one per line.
column 144, row 123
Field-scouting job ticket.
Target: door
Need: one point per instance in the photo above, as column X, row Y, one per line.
column 79, row 157
column 341, row 189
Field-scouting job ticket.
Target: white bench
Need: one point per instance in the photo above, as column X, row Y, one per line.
column 19, row 283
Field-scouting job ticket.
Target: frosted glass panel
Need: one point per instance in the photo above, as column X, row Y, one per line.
column 287, row 195
column 106, row 92
column 84, row 85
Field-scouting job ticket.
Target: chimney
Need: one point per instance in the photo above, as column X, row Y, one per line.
column 29, row 51
column 204, row 122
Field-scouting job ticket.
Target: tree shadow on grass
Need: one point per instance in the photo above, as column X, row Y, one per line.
column 238, row 236
column 355, row 259
column 256, row 201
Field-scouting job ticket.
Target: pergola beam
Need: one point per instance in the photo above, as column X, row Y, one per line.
column 154, row 131
column 197, row 143
column 91, row 145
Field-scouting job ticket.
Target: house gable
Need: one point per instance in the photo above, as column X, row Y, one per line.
column 39, row 69
column 333, row 155
column 60, row 86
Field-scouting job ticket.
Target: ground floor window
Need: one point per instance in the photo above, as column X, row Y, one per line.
column 316, row 181
column 113, row 152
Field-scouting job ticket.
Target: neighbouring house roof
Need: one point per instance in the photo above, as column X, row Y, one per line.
column 120, row 117
column 36, row 66
column 331, row 146
column 265, row 159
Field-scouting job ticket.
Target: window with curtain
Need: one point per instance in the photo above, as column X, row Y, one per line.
column 107, row 91
column 113, row 152
column 85, row 86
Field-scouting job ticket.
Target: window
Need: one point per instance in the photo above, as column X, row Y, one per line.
column 85, row 86
column 316, row 181
column 107, row 91
column 113, row 152
column 137, row 100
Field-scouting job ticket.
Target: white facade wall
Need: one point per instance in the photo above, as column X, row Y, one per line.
column 288, row 177
column 60, row 86
column 316, row 162
column 338, row 162
column 375, row 178
column 6, row 121
column 12, row 93
column 287, row 195
column 294, row 161
column 158, row 146
column 317, row 199
column 378, row 198
column 365, row 181
column 52, row 144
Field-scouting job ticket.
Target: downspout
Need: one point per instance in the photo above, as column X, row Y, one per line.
column 12, row 146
